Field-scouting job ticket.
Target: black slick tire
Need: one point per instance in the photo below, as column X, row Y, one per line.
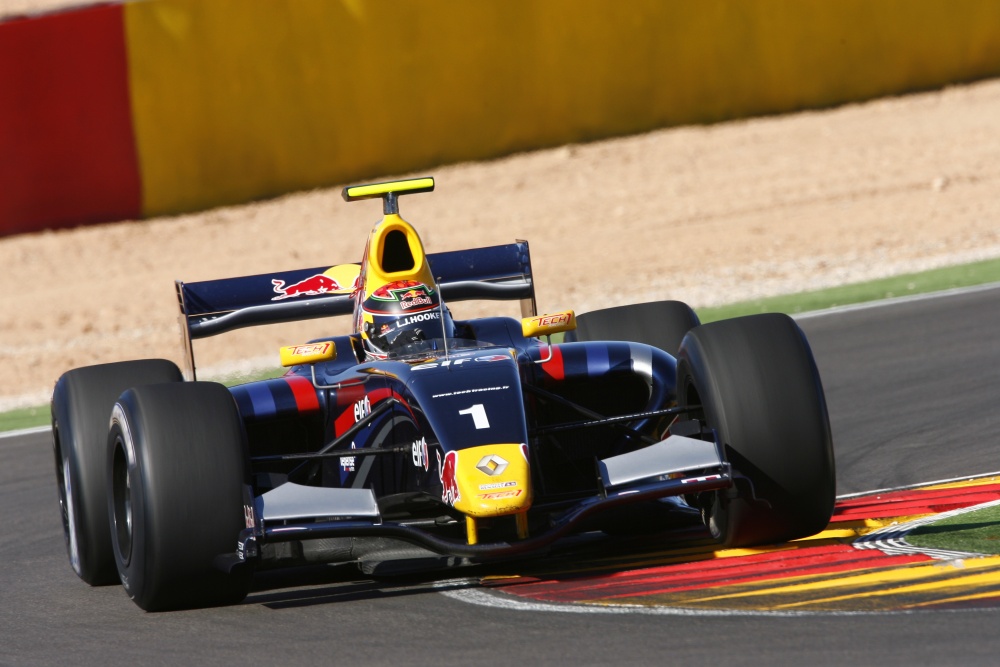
column 81, row 410
column 759, row 388
column 177, row 462
column 661, row 324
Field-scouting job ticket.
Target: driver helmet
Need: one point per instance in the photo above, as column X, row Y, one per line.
column 398, row 314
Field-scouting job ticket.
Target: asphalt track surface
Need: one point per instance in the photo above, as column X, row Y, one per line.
column 912, row 390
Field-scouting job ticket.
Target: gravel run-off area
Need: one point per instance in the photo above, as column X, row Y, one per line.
column 707, row 214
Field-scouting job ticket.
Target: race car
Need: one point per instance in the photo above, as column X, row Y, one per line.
column 418, row 434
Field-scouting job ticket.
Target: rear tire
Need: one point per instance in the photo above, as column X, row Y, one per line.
column 661, row 324
column 177, row 462
column 81, row 409
column 758, row 386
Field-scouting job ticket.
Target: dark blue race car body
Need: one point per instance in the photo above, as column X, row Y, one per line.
column 384, row 428
column 422, row 438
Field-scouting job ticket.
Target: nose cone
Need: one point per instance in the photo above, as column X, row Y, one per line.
column 490, row 480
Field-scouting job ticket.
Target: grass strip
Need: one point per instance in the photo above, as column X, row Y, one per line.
column 15, row 420
column 935, row 280
column 976, row 532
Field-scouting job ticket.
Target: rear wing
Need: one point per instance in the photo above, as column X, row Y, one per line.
column 213, row 307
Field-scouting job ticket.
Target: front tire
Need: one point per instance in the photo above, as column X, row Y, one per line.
column 661, row 324
column 81, row 408
column 758, row 387
column 177, row 464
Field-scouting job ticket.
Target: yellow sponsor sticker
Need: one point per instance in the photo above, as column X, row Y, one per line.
column 310, row 353
column 546, row 325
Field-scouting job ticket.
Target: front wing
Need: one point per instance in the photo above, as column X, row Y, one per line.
column 675, row 466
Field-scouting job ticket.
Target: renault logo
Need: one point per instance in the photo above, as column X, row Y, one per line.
column 491, row 465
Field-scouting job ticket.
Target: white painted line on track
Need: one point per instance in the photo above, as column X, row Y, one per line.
column 25, row 431
column 484, row 598
column 910, row 298
column 907, row 487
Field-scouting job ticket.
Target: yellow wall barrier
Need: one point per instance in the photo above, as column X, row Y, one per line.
column 239, row 99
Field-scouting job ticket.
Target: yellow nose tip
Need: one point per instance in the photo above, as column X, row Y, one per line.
column 493, row 480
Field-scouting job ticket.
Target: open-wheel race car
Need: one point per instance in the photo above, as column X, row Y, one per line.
column 418, row 433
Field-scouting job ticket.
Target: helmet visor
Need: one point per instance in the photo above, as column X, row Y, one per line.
column 388, row 334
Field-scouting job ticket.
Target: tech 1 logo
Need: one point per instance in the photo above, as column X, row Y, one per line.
column 362, row 409
column 421, row 456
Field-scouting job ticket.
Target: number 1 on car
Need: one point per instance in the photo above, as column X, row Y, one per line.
column 478, row 413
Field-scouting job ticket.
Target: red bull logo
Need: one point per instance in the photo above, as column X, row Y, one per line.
column 448, row 472
column 409, row 294
column 415, row 297
column 391, row 291
column 311, row 286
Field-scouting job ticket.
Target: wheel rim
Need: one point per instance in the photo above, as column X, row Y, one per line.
column 122, row 499
column 64, row 479
column 69, row 521
column 713, row 504
column 714, row 516
column 61, row 475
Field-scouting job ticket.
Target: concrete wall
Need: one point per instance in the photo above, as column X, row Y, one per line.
column 67, row 153
column 233, row 100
